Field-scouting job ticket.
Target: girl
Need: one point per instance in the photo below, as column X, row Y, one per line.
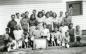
column 40, row 18
column 78, row 34
column 49, row 21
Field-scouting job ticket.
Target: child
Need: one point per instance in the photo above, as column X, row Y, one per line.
column 45, row 32
column 6, row 36
column 71, row 32
column 67, row 39
column 78, row 33
column 26, row 41
column 52, row 38
column 63, row 30
column 57, row 37
column 18, row 36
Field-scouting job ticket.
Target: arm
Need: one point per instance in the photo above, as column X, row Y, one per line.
column 8, row 25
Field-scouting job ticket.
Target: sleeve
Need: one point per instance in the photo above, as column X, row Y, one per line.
column 8, row 24
column 80, row 33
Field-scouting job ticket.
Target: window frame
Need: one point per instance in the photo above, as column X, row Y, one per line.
column 75, row 2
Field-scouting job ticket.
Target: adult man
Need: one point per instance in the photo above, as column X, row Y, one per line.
column 11, row 25
column 67, row 19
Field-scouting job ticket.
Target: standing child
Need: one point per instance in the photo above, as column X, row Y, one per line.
column 71, row 33
column 57, row 37
column 6, row 38
column 63, row 30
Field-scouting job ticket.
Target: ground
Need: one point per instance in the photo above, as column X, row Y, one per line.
column 51, row 50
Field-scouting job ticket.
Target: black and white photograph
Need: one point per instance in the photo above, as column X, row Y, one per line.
column 42, row 26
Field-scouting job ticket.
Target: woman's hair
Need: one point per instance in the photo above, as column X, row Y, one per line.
column 70, row 25
column 7, row 29
column 38, row 15
column 54, row 15
column 44, row 24
column 47, row 14
column 32, row 18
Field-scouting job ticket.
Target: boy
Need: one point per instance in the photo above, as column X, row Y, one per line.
column 18, row 36
column 71, row 32
column 78, row 34
column 67, row 39
column 26, row 40
column 6, row 38
column 63, row 30
column 57, row 37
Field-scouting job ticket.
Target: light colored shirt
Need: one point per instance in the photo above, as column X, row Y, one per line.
column 45, row 32
column 49, row 21
column 6, row 36
column 18, row 34
column 18, row 21
column 58, row 35
column 78, row 33
column 63, row 29
column 41, row 20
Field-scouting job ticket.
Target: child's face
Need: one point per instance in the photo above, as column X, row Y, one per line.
column 71, row 26
column 7, row 31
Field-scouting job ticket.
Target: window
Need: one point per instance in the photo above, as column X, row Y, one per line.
column 76, row 7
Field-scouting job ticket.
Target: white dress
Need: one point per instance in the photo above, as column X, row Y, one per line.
column 18, row 34
column 63, row 29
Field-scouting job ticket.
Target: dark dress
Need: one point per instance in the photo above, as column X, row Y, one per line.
column 71, row 33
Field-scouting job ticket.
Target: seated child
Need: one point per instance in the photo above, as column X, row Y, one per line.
column 45, row 32
column 6, row 36
column 71, row 33
column 26, row 41
column 63, row 29
column 11, row 45
column 67, row 40
column 52, row 38
column 18, row 36
column 57, row 37
column 78, row 33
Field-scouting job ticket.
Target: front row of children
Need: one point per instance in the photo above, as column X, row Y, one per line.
column 62, row 36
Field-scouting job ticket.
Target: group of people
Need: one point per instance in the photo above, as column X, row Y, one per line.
column 58, row 31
